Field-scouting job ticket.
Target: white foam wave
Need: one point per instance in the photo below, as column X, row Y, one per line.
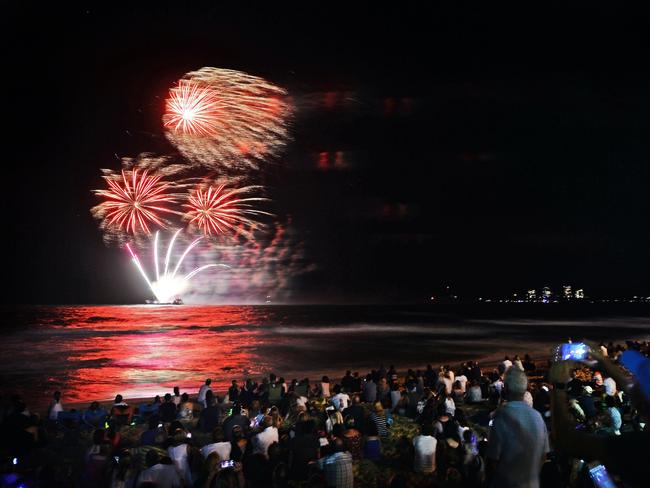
column 377, row 329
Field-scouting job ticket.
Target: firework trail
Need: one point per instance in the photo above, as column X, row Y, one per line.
column 226, row 120
column 217, row 210
column 168, row 286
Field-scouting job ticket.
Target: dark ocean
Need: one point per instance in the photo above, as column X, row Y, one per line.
column 94, row 352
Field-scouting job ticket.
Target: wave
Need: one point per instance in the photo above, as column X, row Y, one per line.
column 626, row 322
column 375, row 329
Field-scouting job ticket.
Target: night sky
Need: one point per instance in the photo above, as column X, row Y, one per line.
column 490, row 150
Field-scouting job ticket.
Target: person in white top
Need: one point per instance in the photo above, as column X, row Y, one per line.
column 56, row 406
column 202, row 391
column 179, row 454
column 450, row 405
column 518, row 440
column 517, row 362
column 498, row 385
column 264, row 439
column 161, row 473
column 218, row 445
column 425, row 450
column 506, row 364
column 462, row 379
column 474, row 393
column 341, row 400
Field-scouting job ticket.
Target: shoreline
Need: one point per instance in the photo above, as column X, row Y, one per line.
column 540, row 362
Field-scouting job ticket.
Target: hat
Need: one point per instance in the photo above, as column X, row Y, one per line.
column 639, row 366
column 588, row 390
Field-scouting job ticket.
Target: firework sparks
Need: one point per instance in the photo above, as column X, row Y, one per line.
column 192, row 109
column 265, row 266
column 169, row 286
column 218, row 211
column 133, row 201
column 227, row 120
column 144, row 195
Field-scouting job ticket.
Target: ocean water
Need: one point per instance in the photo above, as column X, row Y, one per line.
column 94, row 352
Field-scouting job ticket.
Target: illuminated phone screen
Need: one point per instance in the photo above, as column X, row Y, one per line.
column 600, row 477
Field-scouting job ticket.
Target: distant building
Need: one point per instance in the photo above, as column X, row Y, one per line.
column 531, row 295
column 580, row 293
column 567, row 293
column 547, row 294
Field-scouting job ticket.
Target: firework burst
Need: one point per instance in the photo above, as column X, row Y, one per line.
column 216, row 210
column 192, row 109
column 226, row 120
column 144, row 195
column 134, row 201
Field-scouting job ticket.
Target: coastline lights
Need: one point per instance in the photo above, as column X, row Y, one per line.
column 168, row 285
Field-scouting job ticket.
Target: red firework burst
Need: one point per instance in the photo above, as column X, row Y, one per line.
column 191, row 109
column 133, row 202
column 220, row 211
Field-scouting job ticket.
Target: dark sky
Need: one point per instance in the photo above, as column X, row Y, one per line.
column 492, row 150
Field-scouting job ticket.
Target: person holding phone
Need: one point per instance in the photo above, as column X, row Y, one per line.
column 154, row 432
column 626, row 455
column 264, row 439
column 234, row 419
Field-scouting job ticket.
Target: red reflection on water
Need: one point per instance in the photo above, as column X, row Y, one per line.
column 141, row 351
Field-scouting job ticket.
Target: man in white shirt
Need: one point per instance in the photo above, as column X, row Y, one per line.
column 474, row 394
column 498, row 385
column 202, row 391
column 341, row 400
column 180, row 455
column 517, row 362
column 218, row 445
column 264, row 439
column 506, row 364
column 450, row 405
column 56, row 406
column 518, row 440
column 462, row 379
column 425, row 450
column 162, row 473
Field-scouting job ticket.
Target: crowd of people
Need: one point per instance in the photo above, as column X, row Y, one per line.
column 519, row 424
